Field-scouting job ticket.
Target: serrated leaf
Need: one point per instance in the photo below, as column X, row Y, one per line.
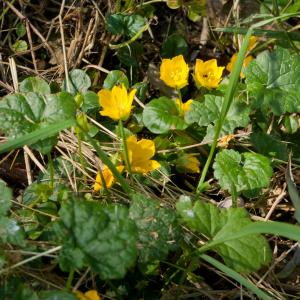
column 161, row 115
column 196, row 9
column 102, row 237
column 174, row 45
column 21, row 114
column 35, row 85
column 269, row 145
column 273, row 80
column 5, row 198
column 208, row 112
column 79, row 82
column 11, row 232
column 246, row 172
column 157, row 228
column 19, row 46
column 128, row 25
column 115, row 77
column 246, row 254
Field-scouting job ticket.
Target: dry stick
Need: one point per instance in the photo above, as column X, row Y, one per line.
column 34, row 159
column 276, row 202
column 28, row 168
column 31, row 46
column 22, row 18
column 79, row 282
column 25, row 261
column 64, row 46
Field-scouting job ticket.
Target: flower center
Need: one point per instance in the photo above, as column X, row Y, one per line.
column 176, row 74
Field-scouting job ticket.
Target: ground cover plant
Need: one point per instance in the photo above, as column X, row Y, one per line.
column 149, row 149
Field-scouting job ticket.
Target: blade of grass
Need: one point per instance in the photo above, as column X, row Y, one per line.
column 289, row 231
column 226, row 105
column 105, row 159
column 36, row 135
column 236, row 276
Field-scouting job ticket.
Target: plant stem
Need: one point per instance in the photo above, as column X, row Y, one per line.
column 228, row 99
column 125, row 148
column 104, row 158
column 70, row 279
column 82, row 161
column 51, row 166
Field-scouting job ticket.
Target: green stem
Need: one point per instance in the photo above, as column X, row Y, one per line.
column 105, row 159
column 70, row 279
column 82, row 161
column 51, row 166
column 236, row 276
column 125, row 148
column 225, row 107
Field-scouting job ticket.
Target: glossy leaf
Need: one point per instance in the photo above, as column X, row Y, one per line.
column 157, row 228
column 128, row 25
column 247, row 254
column 273, row 80
column 161, row 115
column 246, row 172
column 79, row 82
column 35, row 85
column 102, row 237
column 115, row 77
column 173, row 46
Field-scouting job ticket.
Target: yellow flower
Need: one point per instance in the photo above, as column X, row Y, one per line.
column 116, row 103
column 252, row 42
column 139, row 154
column 208, row 74
column 108, row 178
column 89, row 295
column 188, row 163
column 183, row 107
column 224, row 141
column 232, row 62
column 174, row 72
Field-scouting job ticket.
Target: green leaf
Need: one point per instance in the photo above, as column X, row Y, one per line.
column 293, row 191
column 11, row 232
column 90, row 102
column 291, row 123
column 19, row 46
column 21, row 114
column 161, row 115
column 157, row 228
column 196, row 9
column 174, row 4
column 269, row 145
column 102, row 237
column 115, row 77
column 128, row 25
column 56, row 295
column 130, row 55
column 37, row 135
column 208, row 112
column 79, row 82
column 174, row 45
column 20, row 29
column 5, row 198
column 37, row 193
column 273, row 80
column 244, row 255
column 246, row 172
column 35, row 85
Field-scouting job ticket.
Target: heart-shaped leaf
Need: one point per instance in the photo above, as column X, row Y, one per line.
column 23, row 113
column 245, row 173
column 161, row 115
column 245, row 254
column 273, row 80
